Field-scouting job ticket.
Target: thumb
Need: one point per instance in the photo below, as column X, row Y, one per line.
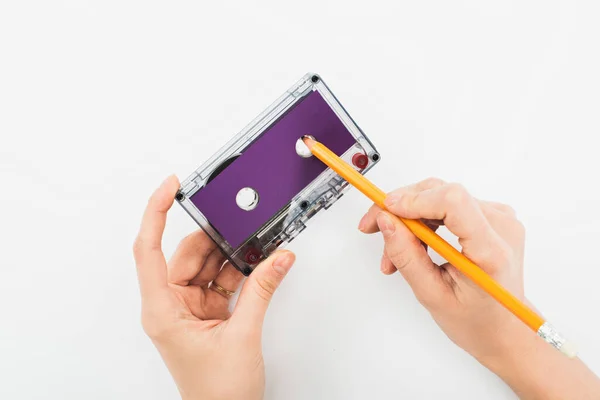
column 409, row 256
column 259, row 288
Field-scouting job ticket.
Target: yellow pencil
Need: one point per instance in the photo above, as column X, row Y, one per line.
column 444, row 249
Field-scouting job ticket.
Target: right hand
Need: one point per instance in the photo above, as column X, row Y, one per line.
column 493, row 238
column 490, row 236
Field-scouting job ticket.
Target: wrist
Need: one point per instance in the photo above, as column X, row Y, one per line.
column 522, row 363
column 512, row 343
column 536, row 370
column 518, row 347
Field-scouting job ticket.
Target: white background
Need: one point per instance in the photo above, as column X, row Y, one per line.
column 100, row 100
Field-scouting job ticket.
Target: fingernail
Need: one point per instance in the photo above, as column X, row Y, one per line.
column 362, row 224
column 385, row 224
column 283, row 263
column 168, row 180
column 392, row 199
column 381, row 264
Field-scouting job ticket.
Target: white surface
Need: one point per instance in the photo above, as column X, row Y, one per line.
column 100, row 100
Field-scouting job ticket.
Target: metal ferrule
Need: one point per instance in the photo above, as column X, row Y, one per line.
column 551, row 335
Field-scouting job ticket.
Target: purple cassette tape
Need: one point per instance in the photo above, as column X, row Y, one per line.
column 257, row 193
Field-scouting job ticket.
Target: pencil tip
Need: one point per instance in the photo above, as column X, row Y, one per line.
column 309, row 141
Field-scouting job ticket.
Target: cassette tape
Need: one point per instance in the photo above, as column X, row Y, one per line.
column 257, row 193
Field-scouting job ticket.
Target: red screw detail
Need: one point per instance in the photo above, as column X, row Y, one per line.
column 252, row 256
column 360, row 160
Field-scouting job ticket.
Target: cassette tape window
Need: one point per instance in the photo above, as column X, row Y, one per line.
column 257, row 193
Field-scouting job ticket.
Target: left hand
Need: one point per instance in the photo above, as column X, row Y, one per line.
column 211, row 353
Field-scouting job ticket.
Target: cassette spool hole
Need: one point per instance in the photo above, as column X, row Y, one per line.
column 302, row 149
column 247, row 199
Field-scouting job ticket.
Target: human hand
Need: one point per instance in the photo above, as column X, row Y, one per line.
column 491, row 236
column 210, row 353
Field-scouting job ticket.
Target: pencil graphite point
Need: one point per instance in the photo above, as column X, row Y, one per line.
column 309, row 141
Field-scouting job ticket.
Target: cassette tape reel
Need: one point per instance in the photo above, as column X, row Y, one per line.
column 257, row 193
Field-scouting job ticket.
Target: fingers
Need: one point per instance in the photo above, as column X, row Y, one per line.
column 407, row 254
column 497, row 214
column 149, row 258
column 502, row 208
column 504, row 222
column 462, row 215
column 190, row 257
column 368, row 223
column 450, row 203
column 387, row 267
column 229, row 278
column 212, row 266
column 259, row 288
column 481, row 226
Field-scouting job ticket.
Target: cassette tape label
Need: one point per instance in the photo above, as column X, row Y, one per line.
column 271, row 167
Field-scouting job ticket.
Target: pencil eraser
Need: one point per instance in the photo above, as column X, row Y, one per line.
column 569, row 349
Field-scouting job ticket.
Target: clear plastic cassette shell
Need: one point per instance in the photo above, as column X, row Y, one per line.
column 292, row 219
